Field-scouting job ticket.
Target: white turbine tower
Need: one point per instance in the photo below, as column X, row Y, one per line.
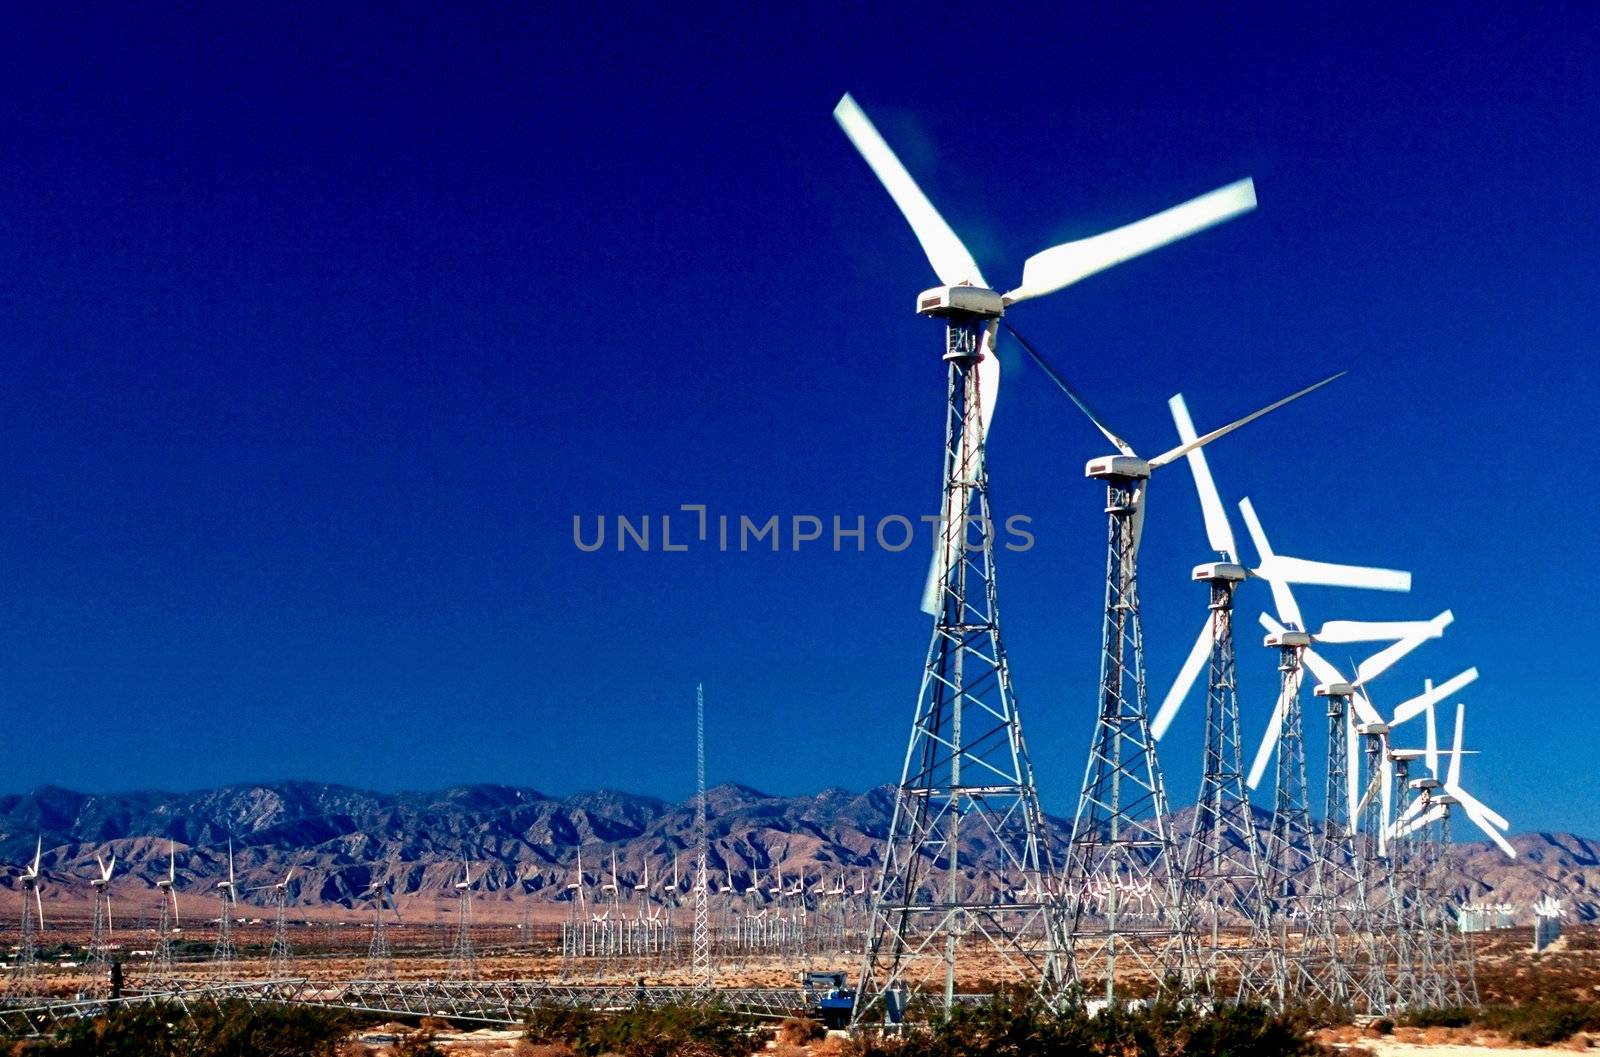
column 101, row 933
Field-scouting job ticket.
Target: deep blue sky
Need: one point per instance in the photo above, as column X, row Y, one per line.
column 316, row 334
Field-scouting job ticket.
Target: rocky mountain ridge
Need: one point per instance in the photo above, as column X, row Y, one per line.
column 525, row 844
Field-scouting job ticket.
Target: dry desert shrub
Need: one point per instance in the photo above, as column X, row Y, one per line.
column 831, row 1046
column 789, row 1049
column 796, row 1031
column 524, row 1048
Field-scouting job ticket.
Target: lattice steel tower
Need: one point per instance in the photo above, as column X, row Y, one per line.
column 1338, row 929
column 1291, row 843
column 1223, row 880
column 966, row 806
column 1123, row 900
column 703, row 977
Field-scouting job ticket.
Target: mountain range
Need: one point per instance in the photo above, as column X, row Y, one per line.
column 524, row 844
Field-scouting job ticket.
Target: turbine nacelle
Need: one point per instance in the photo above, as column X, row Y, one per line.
column 1289, row 639
column 1212, row 571
column 970, row 301
column 1124, row 467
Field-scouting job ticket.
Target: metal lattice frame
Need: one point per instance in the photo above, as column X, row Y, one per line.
column 1224, row 881
column 1123, row 901
column 703, row 976
column 463, row 962
column 1337, row 925
column 967, row 789
column 1291, row 837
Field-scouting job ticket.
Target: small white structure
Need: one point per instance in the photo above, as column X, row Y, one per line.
column 1547, row 915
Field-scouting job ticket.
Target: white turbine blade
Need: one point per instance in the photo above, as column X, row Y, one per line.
column 1332, row 574
column 1049, row 270
column 1492, row 833
column 38, row 853
column 1282, row 597
column 1453, row 777
column 1478, row 806
column 1269, row 742
column 988, row 378
column 1432, row 695
column 38, row 901
column 1386, row 658
column 1352, row 755
column 1386, row 801
column 1198, row 655
column 1321, row 668
column 1432, row 756
column 1200, row 442
column 1061, row 383
column 1363, row 705
column 950, row 259
column 1411, row 811
column 1218, row 532
column 1344, row 632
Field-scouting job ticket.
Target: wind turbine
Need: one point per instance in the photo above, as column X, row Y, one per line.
column 278, row 960
column 964, row 295
column 463, row 964
column 32, row 919
column 966, row 713
column 1124, row 794
column 1273, row 568
column 100, row 936
column 1491, row 822
column 1225, row 866
column 166, row 889
column 379, row 956
column 228, row 902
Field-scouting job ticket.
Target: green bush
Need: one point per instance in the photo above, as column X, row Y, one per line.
column 1543, row 1023
column 665, row 1031
column 233, row 1029
column 1448, row 1017
column 1017, row 1028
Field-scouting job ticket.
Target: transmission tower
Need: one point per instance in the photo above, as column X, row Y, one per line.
column 1124, row 902
column 967, row 781
column 1223, row 879
column 703, row 978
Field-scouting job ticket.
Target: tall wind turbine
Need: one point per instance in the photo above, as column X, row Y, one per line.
column 101, row 933
column 166, row 890
column 222, row 955
column 967, row 765
column 1120, row 830
column 379, row 956
column 1225, row 871
column 278, row 961
column 25, row 973
column 463, row 964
